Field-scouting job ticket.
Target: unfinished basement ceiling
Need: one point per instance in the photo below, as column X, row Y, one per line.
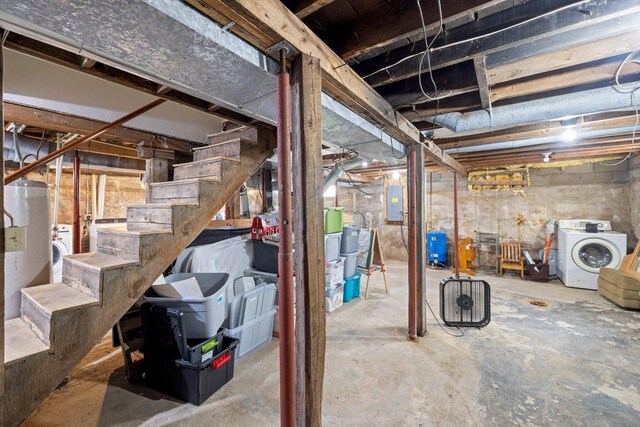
column 223, row 69
column 492, row 64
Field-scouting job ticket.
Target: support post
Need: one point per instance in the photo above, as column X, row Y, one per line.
column 309, row 232
column 421, row 245
column 285, row 254
column 411, row 190
column 77, row 238
column 456, row 250
column 2, row 246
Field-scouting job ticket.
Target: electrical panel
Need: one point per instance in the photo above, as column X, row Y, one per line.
column 395, row 203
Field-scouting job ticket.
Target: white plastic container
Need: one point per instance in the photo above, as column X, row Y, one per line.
column 334, row 297
column 252, row 335
column 202, row 317
column 334, row 272
column 332, row 246
column 350, row 264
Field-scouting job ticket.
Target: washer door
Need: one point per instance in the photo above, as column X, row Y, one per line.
column 58, row 251
column 593, row 253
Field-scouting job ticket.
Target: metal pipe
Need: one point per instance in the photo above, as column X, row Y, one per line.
column 52, row 156
column 76, row 204
column 413, row 248
column 285, row 255
column 456, row 260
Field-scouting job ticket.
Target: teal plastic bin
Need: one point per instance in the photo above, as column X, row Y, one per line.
column 333, row 220
column 351, row 288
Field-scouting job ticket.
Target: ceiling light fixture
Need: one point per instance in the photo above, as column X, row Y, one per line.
column 365, row 164
column 395, row 175
column 547, row 157
column 569, row 135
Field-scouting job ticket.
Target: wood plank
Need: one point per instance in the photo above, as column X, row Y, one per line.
column 275, row 20
column 520, row 41
column 21, row 342
column 480, row 65
column 304, row 8
column 395, row 21
column 579, row 53
column 2, row 322
column 310, row 331
column 61, row 122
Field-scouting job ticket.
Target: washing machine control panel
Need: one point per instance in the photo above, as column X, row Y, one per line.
column 581, row 224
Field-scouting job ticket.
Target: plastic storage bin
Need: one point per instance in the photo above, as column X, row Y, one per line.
column 334, row 296
column 253, row 335
column 202, row 316
column 190, row 382
column 164, row 336
column 334, row 272
column 351, row 288
column 265, row 256
column 333, row 220
column 350, row 264
column 350, row 234
column 332, row 246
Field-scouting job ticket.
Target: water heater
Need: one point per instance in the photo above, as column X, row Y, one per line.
column 28, row 203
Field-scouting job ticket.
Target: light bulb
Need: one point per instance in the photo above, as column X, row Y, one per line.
column 569, row 135
column 365, row 164
column 395, row 175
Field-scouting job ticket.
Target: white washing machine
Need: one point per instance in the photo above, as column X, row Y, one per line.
column 582, row 254
column 62, row 246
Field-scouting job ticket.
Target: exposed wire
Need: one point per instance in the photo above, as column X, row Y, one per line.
column 631, row 90
column 442, row 327
column 353, row 184
column 481, row 36
column 427, row 47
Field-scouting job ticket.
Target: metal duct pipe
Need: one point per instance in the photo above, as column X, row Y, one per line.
column 539, row 141
column 573, row 104
column 337, row 172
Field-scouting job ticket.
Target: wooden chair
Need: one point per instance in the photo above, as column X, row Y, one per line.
column 511, row 258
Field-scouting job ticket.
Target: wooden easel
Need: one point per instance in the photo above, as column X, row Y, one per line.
column 375, row 260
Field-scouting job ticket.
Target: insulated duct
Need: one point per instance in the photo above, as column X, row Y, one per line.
column 574, row 104
column 337, row 172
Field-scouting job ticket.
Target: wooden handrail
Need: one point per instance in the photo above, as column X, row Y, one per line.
column 70, row 146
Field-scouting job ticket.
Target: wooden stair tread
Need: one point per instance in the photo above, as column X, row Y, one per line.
column 100, row 261
column 182, row 181
column 124, row 230
column 20, row 341
column 218, row 144
column 211, row 160
column 58, row 297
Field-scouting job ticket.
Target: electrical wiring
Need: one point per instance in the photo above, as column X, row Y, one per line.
column 353, row 184
column 631, row 90
column 481, row 36
column 426, row 54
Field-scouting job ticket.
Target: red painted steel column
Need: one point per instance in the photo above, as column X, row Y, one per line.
column 285, row 255
column 413, row 248
column 76, row 204
column 456, row 255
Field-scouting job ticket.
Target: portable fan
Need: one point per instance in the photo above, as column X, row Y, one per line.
column 465, row 302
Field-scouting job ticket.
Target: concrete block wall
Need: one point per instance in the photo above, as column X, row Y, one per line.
column 595, row 190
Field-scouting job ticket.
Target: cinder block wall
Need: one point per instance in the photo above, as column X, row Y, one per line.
column 594, row 190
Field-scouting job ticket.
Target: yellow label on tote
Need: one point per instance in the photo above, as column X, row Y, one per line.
column 394, row 200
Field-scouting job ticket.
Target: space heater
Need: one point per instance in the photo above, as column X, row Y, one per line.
column 465, row 302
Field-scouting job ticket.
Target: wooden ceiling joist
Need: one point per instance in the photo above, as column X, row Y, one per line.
column 65, row 123
column 272, row 18
column 602, row 18
column 304, row 8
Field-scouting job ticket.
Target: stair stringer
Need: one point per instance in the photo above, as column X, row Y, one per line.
column 75, row 332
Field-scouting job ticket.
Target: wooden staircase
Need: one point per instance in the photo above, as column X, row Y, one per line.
column 61, row 322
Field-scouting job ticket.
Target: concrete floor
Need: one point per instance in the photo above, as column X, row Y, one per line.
column 573, row 363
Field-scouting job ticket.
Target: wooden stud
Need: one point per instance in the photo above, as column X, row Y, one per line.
column 304, row 8
column 309, row 232
column 480, row 65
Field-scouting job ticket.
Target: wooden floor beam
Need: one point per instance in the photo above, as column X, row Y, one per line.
column 309, row 231
column 272, row 18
